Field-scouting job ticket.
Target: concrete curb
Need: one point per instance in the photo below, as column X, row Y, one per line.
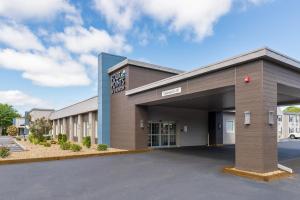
column 257, row 176
column 53, row 158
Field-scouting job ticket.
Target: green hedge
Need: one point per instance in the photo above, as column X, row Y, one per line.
column 75, row 147
column 87, row 141
column 62, row 138
column 65, row 145
column 101, row 147
column 4, row 152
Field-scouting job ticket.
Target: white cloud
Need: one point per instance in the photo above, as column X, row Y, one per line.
column 78, row 39
column 46, row 69
column 21, row 100
column 257, row 2
column 35, row 9
column 119, row 13
column 89, row 59
column 19, row 37
column 192, row 17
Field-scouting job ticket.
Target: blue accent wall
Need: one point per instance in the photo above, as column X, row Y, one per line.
column 105, row 61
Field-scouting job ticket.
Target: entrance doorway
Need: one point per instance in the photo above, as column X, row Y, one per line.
column 162, row 134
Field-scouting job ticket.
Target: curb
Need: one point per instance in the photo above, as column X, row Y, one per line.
column 54, row 158
column 257, row 176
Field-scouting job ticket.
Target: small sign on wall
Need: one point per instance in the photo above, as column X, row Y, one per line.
column 171, row 92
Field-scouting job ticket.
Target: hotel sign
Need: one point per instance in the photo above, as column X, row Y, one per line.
column 118, row 81
column 171, row 92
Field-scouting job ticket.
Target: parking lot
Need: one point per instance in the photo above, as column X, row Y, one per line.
column 184, row 173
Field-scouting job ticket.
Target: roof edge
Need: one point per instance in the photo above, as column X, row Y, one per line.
column 143, row 65
column 79, row 102
column 246, row 57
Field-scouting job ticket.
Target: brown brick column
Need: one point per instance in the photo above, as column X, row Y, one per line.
column 256, row 144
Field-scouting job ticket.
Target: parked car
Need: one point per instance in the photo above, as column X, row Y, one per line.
column 294, row 135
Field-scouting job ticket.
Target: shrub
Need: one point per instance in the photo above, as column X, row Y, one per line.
column 47, row 144
column 12, row 130
column 65, row 145
column 59, row 137
column 87, row 141
column 25, row 139
column 18, row 138
column 35, row 141
column 4, row 152
column 30, row 138
column 40, row 127
column 75, row 147
column 62, row 138
column 102, row 147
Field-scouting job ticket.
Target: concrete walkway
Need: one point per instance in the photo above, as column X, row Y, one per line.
column 9, row 142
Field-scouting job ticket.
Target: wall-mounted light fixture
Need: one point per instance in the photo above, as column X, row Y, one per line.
column 271, row 117
column 142, row 123
column 185, row 129
column 247, row 120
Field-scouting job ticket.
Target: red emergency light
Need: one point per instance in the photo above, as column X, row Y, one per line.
column 247, row 79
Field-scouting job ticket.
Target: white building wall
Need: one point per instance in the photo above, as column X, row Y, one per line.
column 195, row 120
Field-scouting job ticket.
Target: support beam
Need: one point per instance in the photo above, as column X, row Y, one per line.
column 58, row 127
column 64, row 126
column 54, row 129
column 91, row 127
column 256, row 143
column 80, row 128
column 71, row 128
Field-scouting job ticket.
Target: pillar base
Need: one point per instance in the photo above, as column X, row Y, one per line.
column 269, row 176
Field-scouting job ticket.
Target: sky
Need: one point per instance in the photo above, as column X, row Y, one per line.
column 49, row 48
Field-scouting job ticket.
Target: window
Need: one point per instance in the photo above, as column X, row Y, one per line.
column 291, row 130
column 291, row 118
column 279, row 118
column 229, row 126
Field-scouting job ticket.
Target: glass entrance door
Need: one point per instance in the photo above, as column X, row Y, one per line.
column 162, row 134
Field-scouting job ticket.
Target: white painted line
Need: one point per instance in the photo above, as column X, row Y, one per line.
column 285, row 168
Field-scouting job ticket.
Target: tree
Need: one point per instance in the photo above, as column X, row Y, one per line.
column 292, row 109
column 7, row 114
column 40, row 127
column 12, row 130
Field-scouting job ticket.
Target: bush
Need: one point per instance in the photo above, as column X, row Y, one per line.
column 12, row 130
column 4, row 152
column 30, row 138
column 47, row 144
column 36, row 139
column 65, row 145
column 59, row 137
column 102, row 147
column 62, row 138
column 87, row 141
column 18, row 138
column 40, row 127
column 75, row 147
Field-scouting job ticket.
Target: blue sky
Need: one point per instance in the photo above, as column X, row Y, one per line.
column 48, row 48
